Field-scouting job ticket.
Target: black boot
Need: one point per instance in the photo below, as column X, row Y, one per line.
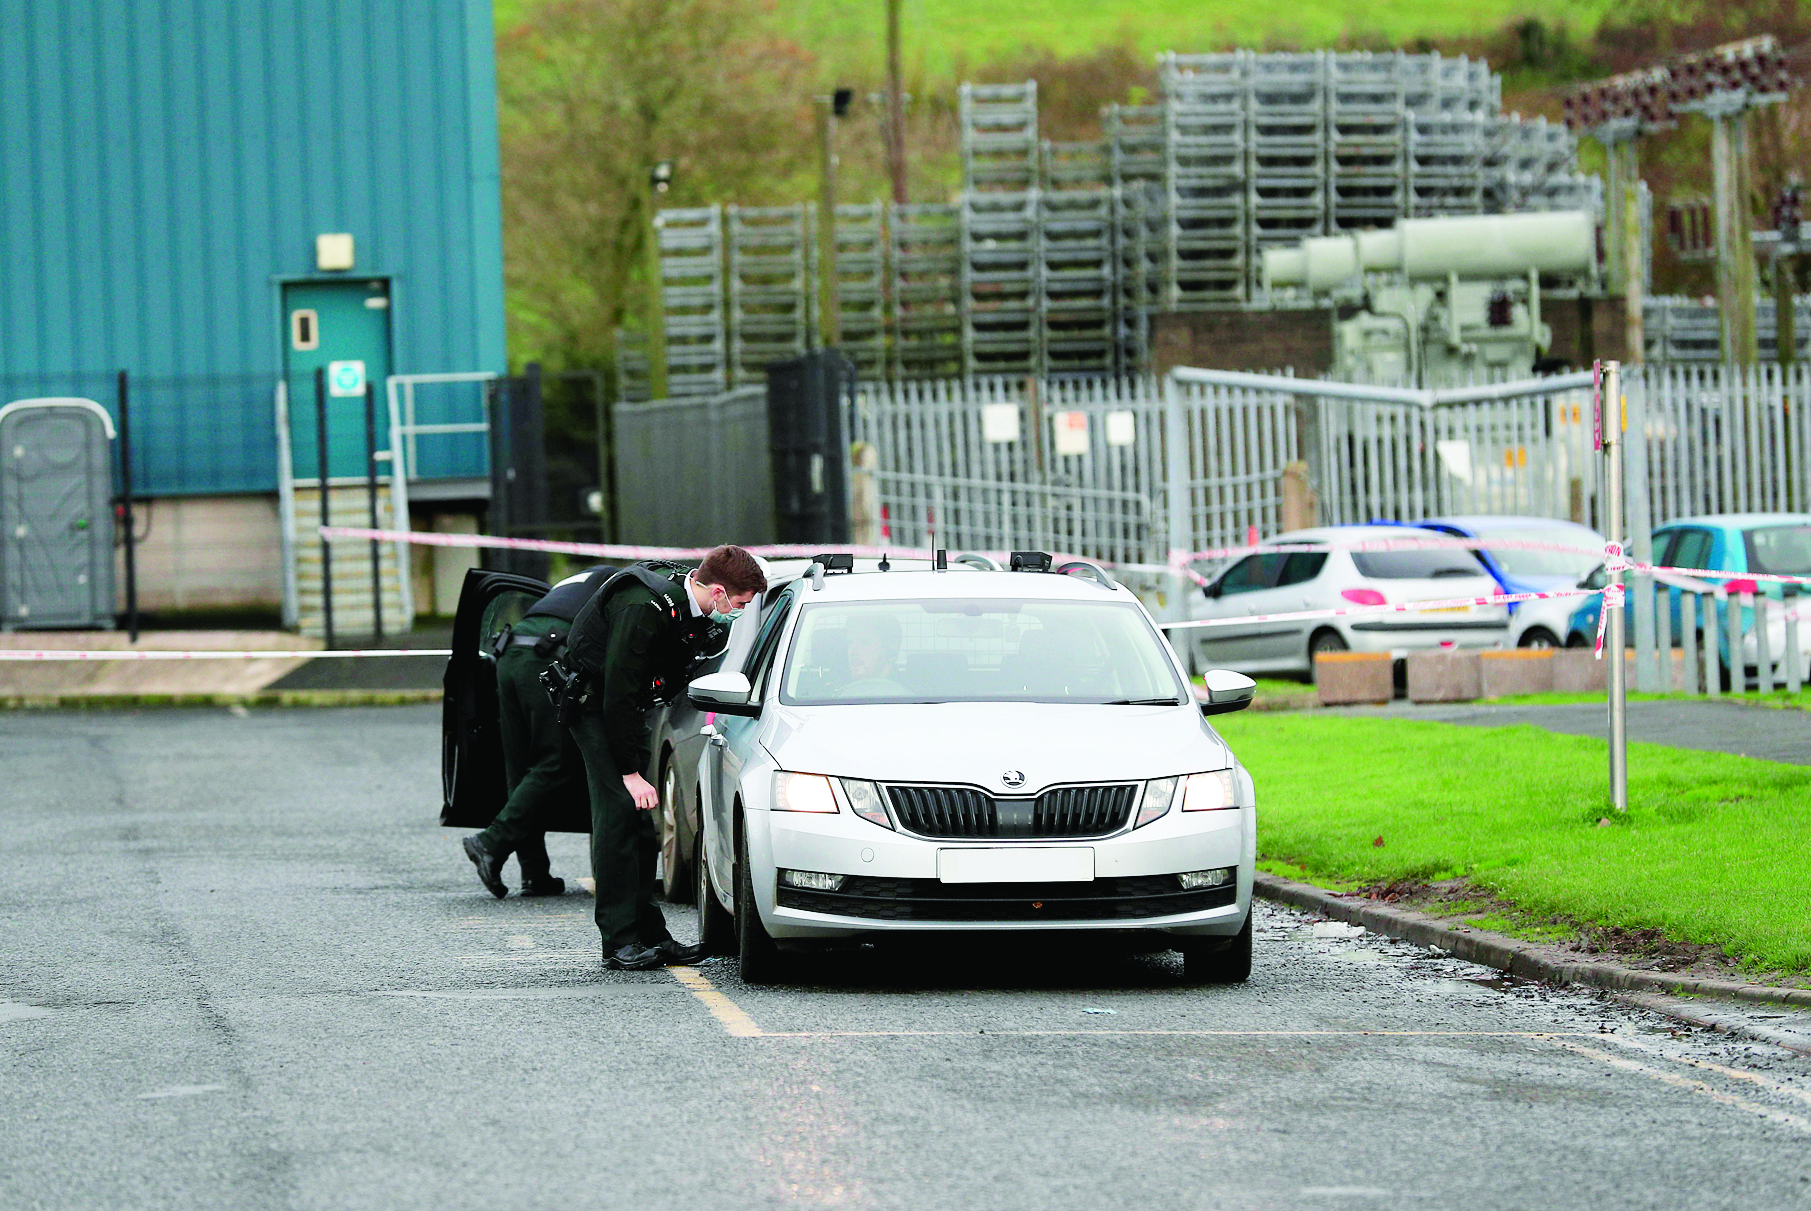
column 531, row 856
column 489, row 863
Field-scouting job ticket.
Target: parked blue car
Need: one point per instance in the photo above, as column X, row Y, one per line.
column 1777, row 543
column 1532, row 624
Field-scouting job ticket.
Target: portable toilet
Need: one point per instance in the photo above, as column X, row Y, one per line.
column 56, row 515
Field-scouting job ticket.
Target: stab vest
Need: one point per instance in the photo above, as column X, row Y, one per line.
column 677, row 645
column 564, row 601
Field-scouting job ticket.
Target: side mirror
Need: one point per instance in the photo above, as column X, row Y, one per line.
column 1211, row 590
column 1227, row 691
column 725, row 693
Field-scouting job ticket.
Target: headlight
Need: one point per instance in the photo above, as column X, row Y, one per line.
column 1194, row 793
column 1159, row 797
column 866, row 801
column 1208, row 792
column 803, row 793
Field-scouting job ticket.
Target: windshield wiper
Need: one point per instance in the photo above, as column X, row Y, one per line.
column 1141, row 702
column 1437, row 573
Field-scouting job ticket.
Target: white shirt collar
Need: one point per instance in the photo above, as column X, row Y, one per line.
column 690, row 598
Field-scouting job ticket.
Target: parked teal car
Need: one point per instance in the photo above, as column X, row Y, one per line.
column 1776, row 543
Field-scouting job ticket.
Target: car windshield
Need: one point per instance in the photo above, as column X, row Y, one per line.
column 1780, row 550
column 983, row 650
column 1546, row 563
column 1416, row 565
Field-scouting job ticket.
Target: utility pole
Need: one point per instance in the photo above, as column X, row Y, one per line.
column 829, row 109
column 896, row 161
column 660, row 179
column 1786, row 221
column 1729, row 162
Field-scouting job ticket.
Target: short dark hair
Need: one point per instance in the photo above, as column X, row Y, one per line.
column 733, row 568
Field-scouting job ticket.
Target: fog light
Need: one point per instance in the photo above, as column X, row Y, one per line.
column 816, row 880
column 1195, row 880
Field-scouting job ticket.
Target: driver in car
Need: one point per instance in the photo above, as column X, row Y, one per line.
column 873, row 645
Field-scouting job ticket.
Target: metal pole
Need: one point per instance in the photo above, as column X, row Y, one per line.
column 1612, row 602
column 377, row 580
column 830, row 322
column 1634, row 256
column 657, row 316
column 896, row 162
column 125, row 488
column 320, row 431
column 1793, row 657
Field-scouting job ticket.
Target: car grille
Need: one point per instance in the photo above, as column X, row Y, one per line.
column 967, row 813
column 1118, row 899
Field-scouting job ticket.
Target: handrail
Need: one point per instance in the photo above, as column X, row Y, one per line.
column 1286, row 385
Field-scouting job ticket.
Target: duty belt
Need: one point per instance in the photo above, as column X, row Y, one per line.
column 544, row 645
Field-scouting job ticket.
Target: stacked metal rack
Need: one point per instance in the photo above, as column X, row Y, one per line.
column 860, row 286
column 1679, row 329
column 1000, row 136
column 1056, row 254
column 772, row 275
column 925, row 241
column 693, row 300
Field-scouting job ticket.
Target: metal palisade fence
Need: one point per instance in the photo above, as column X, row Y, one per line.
column 1086, row 466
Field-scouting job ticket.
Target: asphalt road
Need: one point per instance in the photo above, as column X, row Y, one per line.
column 1715, row 727
column 242, row 968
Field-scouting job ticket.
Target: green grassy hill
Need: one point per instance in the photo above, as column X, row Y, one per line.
column 945, row 38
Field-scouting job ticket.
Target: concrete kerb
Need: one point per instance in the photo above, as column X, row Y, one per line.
column 1514, row 956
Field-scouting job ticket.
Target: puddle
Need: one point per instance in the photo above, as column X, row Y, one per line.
column 1336, row 929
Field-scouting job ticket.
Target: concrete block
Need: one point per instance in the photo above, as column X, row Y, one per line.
column 1344, row 678
column 1515, row 671
column 1578, row 671
column 1444, row 676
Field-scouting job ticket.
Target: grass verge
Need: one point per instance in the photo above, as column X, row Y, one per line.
column 1711, row 853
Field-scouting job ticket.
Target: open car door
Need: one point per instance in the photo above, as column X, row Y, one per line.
column 471, row 744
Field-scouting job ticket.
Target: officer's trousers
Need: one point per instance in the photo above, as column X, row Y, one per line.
column 541, row 765
column 624, row 846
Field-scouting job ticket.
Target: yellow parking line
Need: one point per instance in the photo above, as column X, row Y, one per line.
column 1681, row 1082
column 737, row 1023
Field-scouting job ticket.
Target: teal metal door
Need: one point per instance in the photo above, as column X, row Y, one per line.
column 342, row 328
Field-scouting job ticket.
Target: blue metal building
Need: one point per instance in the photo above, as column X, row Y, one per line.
column 178, row 182
column 166, row 169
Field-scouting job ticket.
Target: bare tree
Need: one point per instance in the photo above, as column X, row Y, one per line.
column 592, row 94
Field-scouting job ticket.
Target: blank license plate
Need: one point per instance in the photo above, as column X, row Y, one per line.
column 1016, row 865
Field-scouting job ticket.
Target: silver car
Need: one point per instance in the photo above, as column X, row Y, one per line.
column 968, row 751
column 1268, row 583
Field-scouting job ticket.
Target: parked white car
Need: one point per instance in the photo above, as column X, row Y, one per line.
column 1269, row 583
column 969, row 751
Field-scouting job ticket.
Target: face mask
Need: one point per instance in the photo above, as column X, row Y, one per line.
column 726, row 616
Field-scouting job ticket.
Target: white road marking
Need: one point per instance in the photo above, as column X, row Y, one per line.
column 181, row 1091
column 1680, row 1082
column 1735, row 1074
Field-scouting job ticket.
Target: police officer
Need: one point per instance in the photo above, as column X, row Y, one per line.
column 646, row 633
column 541, row 765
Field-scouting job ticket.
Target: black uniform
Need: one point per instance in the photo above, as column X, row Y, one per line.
column 541, row 764
column 650, row 641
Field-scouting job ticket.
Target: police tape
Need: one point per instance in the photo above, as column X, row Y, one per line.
column 1406, row 607
column 23, row 654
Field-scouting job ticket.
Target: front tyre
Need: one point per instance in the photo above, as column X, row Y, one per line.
column 759, row 957
column 1219, row 960
column 716, row 929
column 1538, row 637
